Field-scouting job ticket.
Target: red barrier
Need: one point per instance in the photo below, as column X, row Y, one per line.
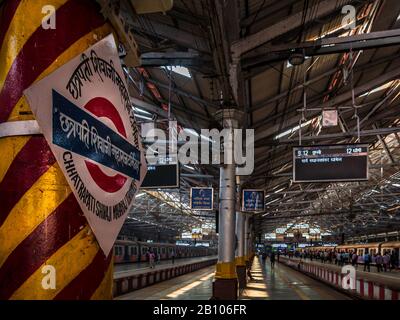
column 365, row 288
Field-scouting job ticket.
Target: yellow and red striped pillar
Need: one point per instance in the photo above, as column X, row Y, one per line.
column 41, row 223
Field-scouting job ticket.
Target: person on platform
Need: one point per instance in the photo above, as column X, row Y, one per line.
column 367, row 261
column 354, row 259
column 386, row 261
column 272, row 259
column 393, row 260
column 173, row 256
column 151, row 259
column 378, row 262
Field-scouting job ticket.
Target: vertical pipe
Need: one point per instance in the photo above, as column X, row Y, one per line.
column 240, row 233
column 227, row 219
column 47, row 249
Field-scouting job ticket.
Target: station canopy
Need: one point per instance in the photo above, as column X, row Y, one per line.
column 261, row 56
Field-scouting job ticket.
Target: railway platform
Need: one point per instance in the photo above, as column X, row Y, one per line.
column 134, row 276
column 266, row 283
column 368, row 285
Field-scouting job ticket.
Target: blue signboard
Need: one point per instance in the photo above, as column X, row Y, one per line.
column 77, row 131
column 253, row 200
column 201, row 198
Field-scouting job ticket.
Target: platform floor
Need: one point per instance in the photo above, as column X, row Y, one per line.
column 135, row 267
column 280, row 283
column 284, row 283
column 192, row 286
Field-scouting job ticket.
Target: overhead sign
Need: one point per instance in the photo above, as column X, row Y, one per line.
column 85, row 114
column 161, row 176
column 330, row 163
column 329, row 118
column 253, row 200
column 202, row 198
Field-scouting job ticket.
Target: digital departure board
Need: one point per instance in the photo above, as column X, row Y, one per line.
column 161, row 176
column 330, row 163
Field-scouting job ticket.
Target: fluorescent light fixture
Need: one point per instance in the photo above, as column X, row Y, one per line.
column 189, row 167
column 279, row 190
column 272, row 201
column 191, row 131
column 288, row 65
column 396, row 185
column 142, row 117
column 382, row 87
column 294, row 129
column 140, row 195
column 183, row 71
column 141, row 111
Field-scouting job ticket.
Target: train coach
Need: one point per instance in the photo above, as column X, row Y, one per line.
column 126, row 251
column 392, row 247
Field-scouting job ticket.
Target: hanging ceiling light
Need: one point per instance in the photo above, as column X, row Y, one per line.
column 297, row 57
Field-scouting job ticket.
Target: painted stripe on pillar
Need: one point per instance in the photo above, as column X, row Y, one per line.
column 40, row 201
column 87, row 28
column 30, row 164
column 20, row 33
column 9, row 9
column 48, row 237
column 53, row 42
column 10, row 148
column 105, row 288
column 78, row 47
column 69, row 260
column 90, row 278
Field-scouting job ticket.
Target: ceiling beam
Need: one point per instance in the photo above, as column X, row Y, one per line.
column 340, row 99
column 325, row 46
column 253, row 41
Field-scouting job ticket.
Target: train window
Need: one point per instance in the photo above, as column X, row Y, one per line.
column 118, row 250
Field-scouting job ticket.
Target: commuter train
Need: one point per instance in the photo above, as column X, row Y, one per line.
column 392, row 247
column 126, row 251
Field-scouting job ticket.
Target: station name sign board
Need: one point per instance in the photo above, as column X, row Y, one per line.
column 84, row 111
column 330, row 163
column 201, row 198
column 253, row 200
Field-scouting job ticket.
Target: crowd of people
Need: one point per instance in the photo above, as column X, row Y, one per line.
column 384, row 262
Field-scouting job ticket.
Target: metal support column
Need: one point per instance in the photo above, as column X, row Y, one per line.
column 240, row 253
column 225, row 286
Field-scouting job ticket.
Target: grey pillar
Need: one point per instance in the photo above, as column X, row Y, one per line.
column 227, row 218
column 225, row 285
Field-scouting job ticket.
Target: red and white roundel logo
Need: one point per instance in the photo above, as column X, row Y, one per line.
column 102, row 108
